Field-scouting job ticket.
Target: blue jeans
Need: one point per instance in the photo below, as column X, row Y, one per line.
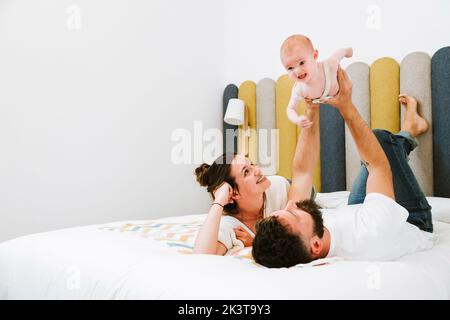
column 408, row 193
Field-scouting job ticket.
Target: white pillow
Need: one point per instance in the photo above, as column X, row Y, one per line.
column 332, row 199
column 440, row 208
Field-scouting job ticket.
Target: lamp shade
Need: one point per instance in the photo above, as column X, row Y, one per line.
column 235, row 112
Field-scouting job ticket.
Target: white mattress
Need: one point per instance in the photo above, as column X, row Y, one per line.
column 124, row 261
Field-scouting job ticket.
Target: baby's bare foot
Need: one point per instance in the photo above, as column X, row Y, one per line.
column 413, row 123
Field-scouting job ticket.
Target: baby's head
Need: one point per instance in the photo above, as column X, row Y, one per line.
column 299, row 58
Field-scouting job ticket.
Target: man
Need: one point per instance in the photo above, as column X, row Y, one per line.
column 387, row 210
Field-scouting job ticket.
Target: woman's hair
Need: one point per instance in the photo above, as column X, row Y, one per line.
column 212, row 176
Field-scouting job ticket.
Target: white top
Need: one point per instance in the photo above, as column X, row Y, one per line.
column 374, row 230
column 276, row 199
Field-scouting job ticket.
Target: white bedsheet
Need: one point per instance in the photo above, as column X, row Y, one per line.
column 93, row 263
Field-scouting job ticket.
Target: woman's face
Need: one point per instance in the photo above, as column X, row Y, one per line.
column 248, row 177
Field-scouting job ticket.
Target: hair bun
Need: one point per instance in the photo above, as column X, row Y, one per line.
column 201, row 173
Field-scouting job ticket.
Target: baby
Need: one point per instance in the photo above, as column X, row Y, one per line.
column 313, row 80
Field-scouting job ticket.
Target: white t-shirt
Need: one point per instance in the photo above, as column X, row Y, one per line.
column 374, row 230
column 276, row 199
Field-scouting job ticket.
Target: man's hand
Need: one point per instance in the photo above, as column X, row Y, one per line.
column 344, row 97
column 244, row 236
column 310, row 105
column 311, row 109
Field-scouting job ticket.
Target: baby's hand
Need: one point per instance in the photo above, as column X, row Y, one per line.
column 349, row 52
column 304, row 122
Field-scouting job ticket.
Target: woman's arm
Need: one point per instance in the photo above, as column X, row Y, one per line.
column 207, row 238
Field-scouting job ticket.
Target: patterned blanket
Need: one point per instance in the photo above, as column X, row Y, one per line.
column 178, row 235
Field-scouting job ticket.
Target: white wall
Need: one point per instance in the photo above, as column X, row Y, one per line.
column 86, row 115
column 255, row 29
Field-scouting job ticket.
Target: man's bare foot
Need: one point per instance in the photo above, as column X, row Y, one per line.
column 413, row 123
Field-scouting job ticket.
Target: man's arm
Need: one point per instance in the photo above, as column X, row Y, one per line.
column 306, row 156
column 369, row 149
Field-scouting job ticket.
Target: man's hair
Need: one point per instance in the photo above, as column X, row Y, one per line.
column 313, row 209
column 275, row 246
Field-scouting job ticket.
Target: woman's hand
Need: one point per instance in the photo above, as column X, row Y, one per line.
column 244, row 236
column 223, row 194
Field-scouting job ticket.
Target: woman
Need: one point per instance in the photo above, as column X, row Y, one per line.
column 242, row 195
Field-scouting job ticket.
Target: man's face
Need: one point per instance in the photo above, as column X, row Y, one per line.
column 297, row 221
column 248, row 177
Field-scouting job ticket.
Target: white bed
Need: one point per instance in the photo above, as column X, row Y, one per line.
column 152, row 260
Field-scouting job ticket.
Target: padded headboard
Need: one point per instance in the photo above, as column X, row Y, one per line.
column 272, row 137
